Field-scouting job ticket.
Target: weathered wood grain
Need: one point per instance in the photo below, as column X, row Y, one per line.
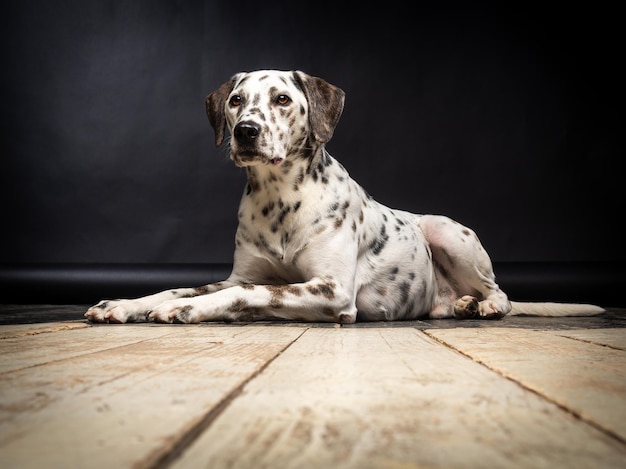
column 119, row 396
column 23, row 330
column 392, row 398
column 615, row 338
column 21, row 349
column 573, row 368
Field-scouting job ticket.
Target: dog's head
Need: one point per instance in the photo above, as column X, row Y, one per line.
column 272, row 115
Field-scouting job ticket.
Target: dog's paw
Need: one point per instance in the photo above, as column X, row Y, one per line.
column 489, row 310
column 116, row 311
column 469, row 307
column 466, row 307
column 173, row 311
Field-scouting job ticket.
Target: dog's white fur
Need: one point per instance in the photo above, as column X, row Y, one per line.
column 311, row 244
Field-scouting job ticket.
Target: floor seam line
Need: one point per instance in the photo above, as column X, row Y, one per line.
column 578, row 416
column 169, row 455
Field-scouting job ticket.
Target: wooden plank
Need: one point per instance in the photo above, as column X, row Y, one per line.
column 615, row 338
column 391, row 398
column 580, row 375
column 19, row 349
column 24, row 330
column 130, row 402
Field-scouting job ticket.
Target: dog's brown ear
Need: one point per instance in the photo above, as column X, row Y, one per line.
column 325, row 104
column 215, row 109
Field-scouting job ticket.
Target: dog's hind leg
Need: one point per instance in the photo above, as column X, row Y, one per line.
column 460, row 258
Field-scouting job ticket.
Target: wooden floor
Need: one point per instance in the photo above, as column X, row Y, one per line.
column 520, row 392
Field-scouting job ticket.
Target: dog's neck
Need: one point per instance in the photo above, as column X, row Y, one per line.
column 296, row 172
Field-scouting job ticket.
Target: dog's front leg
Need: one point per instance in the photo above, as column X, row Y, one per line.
column 136, row 310
column 319, row 299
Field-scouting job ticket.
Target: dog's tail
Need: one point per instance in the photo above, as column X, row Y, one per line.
column 554, row 309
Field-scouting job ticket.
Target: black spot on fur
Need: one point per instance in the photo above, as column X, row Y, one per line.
column 405, row 289
column 183, row 313
column 283, row 214
column 204, row 289
column 286, row 166
column 279, row 291
column 299, row 180
column 380, row 242
column 238, row 305
column 325, row 289
column 267, row 209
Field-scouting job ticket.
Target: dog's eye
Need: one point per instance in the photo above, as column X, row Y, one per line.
column 235, row 100
column 283, row 99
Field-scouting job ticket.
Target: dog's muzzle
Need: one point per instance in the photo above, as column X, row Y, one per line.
column 247, row 151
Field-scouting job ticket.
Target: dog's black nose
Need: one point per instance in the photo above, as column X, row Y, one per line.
column 246, row 131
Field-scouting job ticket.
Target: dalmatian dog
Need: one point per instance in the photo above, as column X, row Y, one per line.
column 311, row 244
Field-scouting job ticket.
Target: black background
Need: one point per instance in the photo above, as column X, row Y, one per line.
column 505, row 116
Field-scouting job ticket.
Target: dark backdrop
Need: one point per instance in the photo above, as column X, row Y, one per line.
column 506, row 117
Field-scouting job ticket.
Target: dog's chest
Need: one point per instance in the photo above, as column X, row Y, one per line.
column 282, row 217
